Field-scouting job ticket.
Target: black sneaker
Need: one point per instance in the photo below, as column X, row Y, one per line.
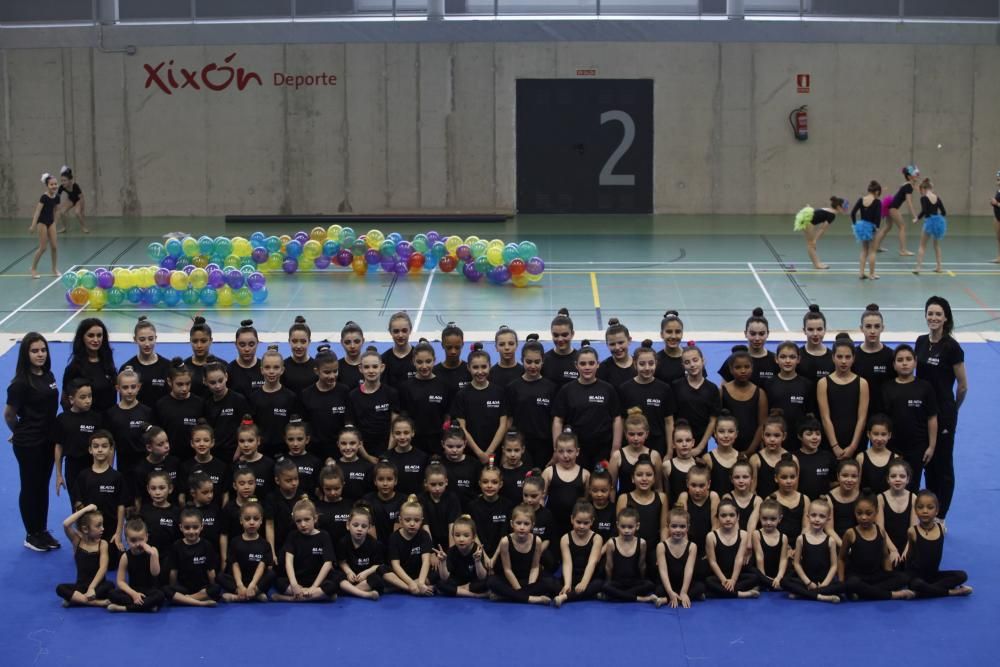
column 36, row 542
column 50, row 542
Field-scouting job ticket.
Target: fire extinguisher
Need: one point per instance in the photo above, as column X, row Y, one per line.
column 799, row 120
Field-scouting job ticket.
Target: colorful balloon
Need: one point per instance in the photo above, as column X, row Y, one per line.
column 447, row 263
column 198, row 278
column 225, row 296
column 69, row 280
column 179, row 280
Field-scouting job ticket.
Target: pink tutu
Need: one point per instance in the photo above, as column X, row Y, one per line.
column 886, row 202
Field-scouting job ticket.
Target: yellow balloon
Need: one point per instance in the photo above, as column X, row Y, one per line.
column 494, row 255
column 284, row 238
column 241, row 247
column 471, row 240
column 179, row 280
column 98, row 298
column 451, row 243
column 318, row 234
column 533, row 278
column 333, row 232
column 312, row 249
column 148, row 277
column 495, row 243
column 374, row 238
column 359, row 265
column 198, row 278
column 225, row 296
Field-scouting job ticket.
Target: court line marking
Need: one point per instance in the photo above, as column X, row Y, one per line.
column 37, row 294
column 767, row 295
column 423, row 301
column 597, row 299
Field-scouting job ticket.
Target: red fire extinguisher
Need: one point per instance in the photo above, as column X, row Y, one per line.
column 799, row 120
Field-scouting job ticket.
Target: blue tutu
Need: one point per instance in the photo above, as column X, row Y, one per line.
column 935, row 226
column 863, row 230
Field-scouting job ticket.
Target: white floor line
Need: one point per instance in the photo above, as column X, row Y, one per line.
column 767, row 295
column 37, row 294
column 423, row 301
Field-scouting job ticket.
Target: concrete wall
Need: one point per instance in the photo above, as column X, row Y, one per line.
column 430, row 126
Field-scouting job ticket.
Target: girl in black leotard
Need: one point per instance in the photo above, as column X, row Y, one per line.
column 748, row 503
column 765, row 364
column 566, row 482
column 905, row 194
column 766, row 460
column 843, row 401
column 926, row 547
column 623, row 460
column 814, row 222
column 720, row 461
column 864, row 565
column 45, row 214
column 581, row 556
column 647, row 501
column 895, row 511
column 744, row 400
column 518, row 576
column 866, row 230
column 815, row 560
column 74, row 198
column 676, row 558
column 701, row 504
column 726, row 549
column 625, row 557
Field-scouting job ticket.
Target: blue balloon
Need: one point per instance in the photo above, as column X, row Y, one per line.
column 293, row 249
column 173, row 247
column 171, row 297
column 209, row 296
column 259, row 296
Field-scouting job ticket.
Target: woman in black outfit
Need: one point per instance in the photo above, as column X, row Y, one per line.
column 32, row 402
column 93, row 360
column 941, row 361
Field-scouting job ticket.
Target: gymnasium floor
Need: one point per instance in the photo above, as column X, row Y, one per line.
column 631, row 268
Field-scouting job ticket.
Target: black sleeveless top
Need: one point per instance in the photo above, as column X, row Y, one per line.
column 873, row 476
column 766, row 485
column 561, row 498
column 520, row 564
column 579, row 557
column 677, row 481
column 725, row 554
column 791, row 518
column 816, row 559
column 701, row 522
column 924, row 559
column 87, row 565
column 746, row 417
column 720, row 480
column 864, row 557
column 624, row 568
column 843, row 402
column 676, row 566
column 649, row 517
column 139, row 576
column 772, row 555
column 843, row 515
column 897, row 523
column 744, row 513
column 625, row 470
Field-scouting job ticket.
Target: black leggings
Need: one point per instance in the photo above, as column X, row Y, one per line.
column 940, row 472
column 916, row 462
column 152, row 602
column 101, row 592
column 34, row 465
column 878, row 586
column 589, row 593
column 499, row 585
column 329, row 586
column 213, row 591
column 627, row 590
column 937, row 585
column 744, row 582
column 228, row 581
column 696, row 591
column 449, row 588
column 795, row 586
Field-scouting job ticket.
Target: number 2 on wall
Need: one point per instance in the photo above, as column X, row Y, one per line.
column 606, row 177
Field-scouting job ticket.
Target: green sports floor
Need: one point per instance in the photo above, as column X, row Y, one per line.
column 712, row 269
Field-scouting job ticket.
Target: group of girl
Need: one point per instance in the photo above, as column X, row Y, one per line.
column 872, row 209
column 469, row 477
column 50, row 209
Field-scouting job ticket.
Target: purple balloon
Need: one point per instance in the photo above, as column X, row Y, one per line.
column 169, row 263
column 470, row 272
column 432, row 237
column 463, row 252
column 106, row 280
column 322, row 262
column 289, row 266
column 216, row 278
column 189, row 268
column 499, row 274
column 255, row 281
column 401, row 268
column 535, row 266
column 345, row 257
column 404, row 250
column 161, row 277
column 388, row 264
column 372, row 256
column 301, row 237
column 259, row 255
column 234, row 278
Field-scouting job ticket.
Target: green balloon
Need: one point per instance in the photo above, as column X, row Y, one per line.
column 88, row 280
column 116, row 295
column 190, row 296
column 420, row 243
column 527, row 250
column 478, row 250
column 510, row 253
column 482, row 264
column 69, row 280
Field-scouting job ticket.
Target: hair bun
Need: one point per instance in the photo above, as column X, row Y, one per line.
column 142, row 318
column 45, row 177
column 533, row 337
column 776, row 412
column 299, row 319
column 646, row 343
column 65, row 170
column 739, row 348
column 294, row 419
column 585, row 343
column 246, row 420
column 325, row 347
column 476, row 346
column 724, row 412
column 843, row 336
column 872, row 307
column 613, row 322
column 692, row 343
column 371, row 348
column 563, row 311
column 246, row 323
column 198, row 319
column 757, row 312
column 671, row 313
column 813, row 307
column 177, row 362
column 272, row 347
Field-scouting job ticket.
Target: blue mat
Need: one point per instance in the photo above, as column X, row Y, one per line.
column 36, row 630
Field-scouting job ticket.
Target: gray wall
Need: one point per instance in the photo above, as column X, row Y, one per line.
column 430, row 126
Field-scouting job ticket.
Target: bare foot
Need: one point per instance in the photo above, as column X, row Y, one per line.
column 874, row 276
column 559, row 599
column 862, row 277
column 880, row 250
column 961, row 591
column 34, row 274
column 905, row 253
column 832, row 599
column 281, row 597
column 646, row 598
column 116, row 608
column 372, row 595
column 61, row 230
column 230, row 597
column 916, row 271
column 85, row 230
column 905, row 594
column 995, row 260
column 540, row 599
column 822, row 267
column 659, row 602
column 98, row 603
column 938, row 270
column 261, row 597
